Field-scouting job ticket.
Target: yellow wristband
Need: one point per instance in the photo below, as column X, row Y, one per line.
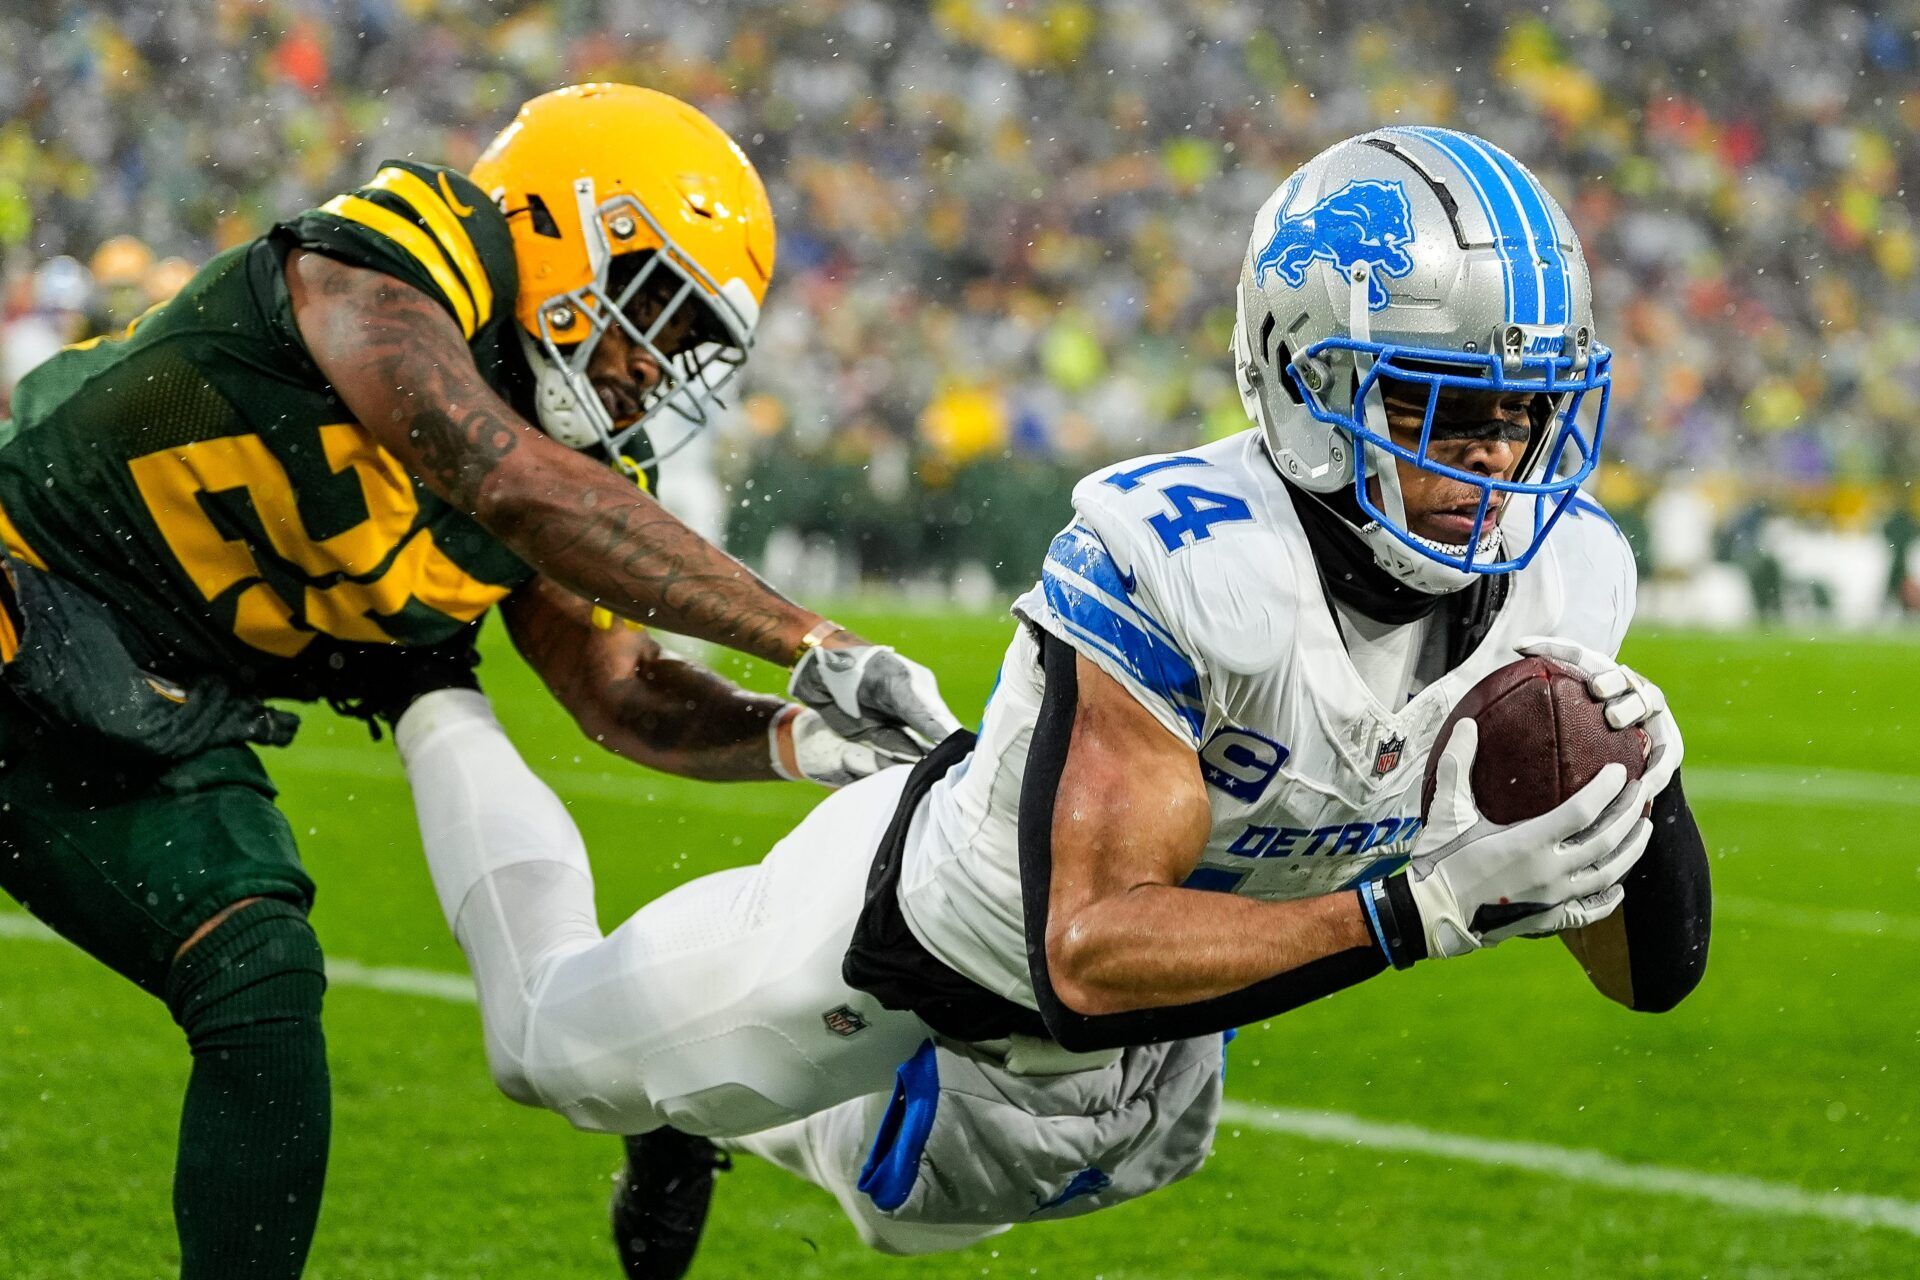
column 604, row 620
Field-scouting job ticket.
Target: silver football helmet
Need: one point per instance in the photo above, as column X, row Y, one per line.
column 1433, row 258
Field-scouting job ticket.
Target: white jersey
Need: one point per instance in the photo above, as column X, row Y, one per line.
column 1188, row 578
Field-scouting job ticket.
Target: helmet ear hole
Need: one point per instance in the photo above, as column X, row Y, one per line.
column 1283, row 358
column 543, row 220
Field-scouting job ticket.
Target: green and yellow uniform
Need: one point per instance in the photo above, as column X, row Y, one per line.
column 196, row 482
column 199, row 472
column 192, row 521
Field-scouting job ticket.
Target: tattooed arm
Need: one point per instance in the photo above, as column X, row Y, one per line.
column 635, row 699
column 399, row 362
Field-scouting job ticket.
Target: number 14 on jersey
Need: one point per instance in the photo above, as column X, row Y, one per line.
column 1192, row 511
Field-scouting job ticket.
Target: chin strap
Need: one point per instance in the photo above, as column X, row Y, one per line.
column 1359, row 307
column 556, row 402
column 1349, row 574
column 1368, row 407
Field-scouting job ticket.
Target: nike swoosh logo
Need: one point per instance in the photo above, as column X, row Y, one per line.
column 1127, row 581
column 453, row 201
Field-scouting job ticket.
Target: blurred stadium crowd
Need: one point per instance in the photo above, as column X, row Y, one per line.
column 1010, row 229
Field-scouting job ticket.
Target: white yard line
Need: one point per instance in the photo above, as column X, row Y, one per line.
column 1754, row 784
column 1795, row 785
column 1884, row 925
column 1596, row 1168
column 623, row 786
column 433, row 984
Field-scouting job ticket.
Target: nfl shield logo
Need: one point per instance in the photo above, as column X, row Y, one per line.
column 1387, row 758
column 844, row 1021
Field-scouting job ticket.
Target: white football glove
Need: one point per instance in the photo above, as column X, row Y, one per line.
column 1629, row 698
column 803, row 747
column 871, row 695
column 1475, row 883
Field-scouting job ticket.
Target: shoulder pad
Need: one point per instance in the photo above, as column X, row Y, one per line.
column 428, row 225
column 1198, row 536
column 1598, row 580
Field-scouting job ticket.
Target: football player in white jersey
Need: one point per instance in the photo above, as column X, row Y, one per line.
column 993, row 988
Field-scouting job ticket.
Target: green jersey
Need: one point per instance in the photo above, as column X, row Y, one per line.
column 200, row 475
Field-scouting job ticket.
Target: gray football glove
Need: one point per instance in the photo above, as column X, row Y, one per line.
column 871, row 695
column 1477, row 883
column 803, row 747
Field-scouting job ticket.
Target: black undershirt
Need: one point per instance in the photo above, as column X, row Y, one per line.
column 1347, row 568
column 1350, row 575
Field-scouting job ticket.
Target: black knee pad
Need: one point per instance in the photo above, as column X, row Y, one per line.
column 258, row 975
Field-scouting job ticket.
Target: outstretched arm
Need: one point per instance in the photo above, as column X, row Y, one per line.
column 402, row 367
column 1114, row 816
column 637, row 700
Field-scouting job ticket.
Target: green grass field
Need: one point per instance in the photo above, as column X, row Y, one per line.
column 1490, row 1117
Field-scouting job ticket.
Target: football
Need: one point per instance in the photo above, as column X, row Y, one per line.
column 1542, row 738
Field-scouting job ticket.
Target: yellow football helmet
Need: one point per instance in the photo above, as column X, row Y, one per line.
column 615, row 194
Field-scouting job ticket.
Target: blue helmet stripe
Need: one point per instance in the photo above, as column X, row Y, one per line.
column 1534, row 261
column 1511, row 238
column 1552, row 263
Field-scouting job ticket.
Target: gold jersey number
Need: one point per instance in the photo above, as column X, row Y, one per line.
column 382, row 562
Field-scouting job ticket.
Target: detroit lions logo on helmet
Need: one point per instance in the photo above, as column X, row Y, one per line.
column 1367, row 221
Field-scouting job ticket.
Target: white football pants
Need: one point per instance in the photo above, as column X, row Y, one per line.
column 829, row 1149
column 717, row 1008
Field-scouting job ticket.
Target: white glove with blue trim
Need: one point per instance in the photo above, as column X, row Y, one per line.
column 1475, row 883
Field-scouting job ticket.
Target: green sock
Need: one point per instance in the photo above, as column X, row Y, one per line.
column 255, row 1125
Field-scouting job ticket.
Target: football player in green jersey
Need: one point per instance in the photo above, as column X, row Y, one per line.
column 309, row 475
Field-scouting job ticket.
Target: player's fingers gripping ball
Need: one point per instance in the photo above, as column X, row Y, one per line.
column 1543, row 735
column 1476, row 882
column 1629, row 698
column 1534, row 813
